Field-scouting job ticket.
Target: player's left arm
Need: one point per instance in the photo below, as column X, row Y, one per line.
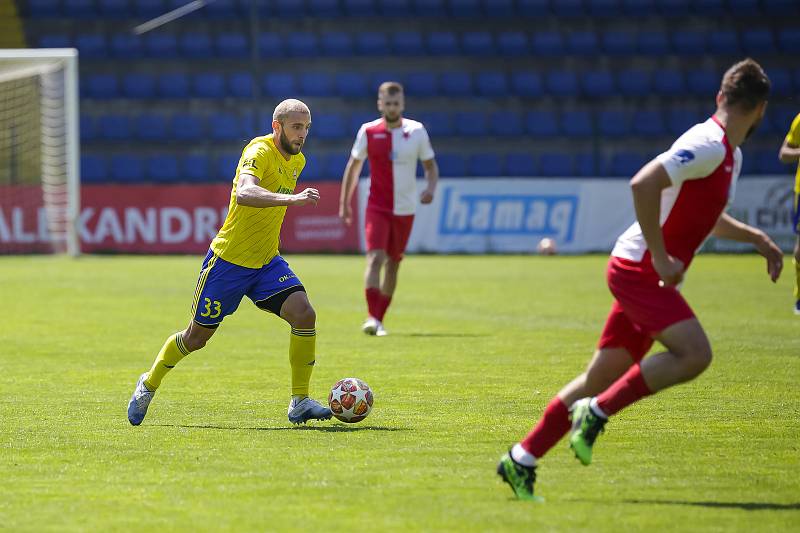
column 432, row 177
column 790, row 149
column 728, row 227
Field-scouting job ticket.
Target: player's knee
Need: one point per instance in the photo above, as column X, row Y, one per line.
column 697, row 357
column 302, row 316
column 194, row 342
column 375, row 260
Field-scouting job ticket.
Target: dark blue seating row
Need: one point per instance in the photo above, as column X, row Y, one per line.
column 493, row 84
column 423, row 8
column 196, row 45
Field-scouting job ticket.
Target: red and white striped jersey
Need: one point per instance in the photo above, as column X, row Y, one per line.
column 703, row 169
column 393, row 155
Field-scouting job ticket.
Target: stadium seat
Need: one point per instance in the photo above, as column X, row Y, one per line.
column 634, row 82
column 758, row 42
column 148, row 9
column 513, row 43
column 438, row 123
column 186, row 127
column 485, row 165
column 408, row 43
column 57, row 40
column 136, row 85
column 604, row 8
column 93, row 169
column 619, row 43
column 279, row 85
column 669, row 83
column 491, row 84
column 653, row 43
column 781, row 8
column 533, row 8
column 527, row 84
column 541, row 123
column 555, row 165
column 781, row 79
column 359, row 8
column 709, row 8
column 102, row 86
column 91, row 46
column 443, row 43
column 547, row 43
column 691, row 43
column 767, row 162
column 225, row 127
column 724, row 42
column 316, row 83
column 568, row 8
column 613, row 123
column 582, row 43
column 270, row 45
column 88, row 128
column 336, row 44
column 163, row 168
column 195, row 168
column 744, row 7
column 681, row 119
column 151, row 127
column 223, row 9
column 161, row 45
column 303, row 44
column 173, row 85
column 286, row 9
column 378, row 77
column 562, row 83
column 452, row 165
column 314, row 167
column 469, row 123
column 357, row 119
column 789, row 39
column 334, row 166
column 351, row 84
column 126, row 168
column 79, row 9
column 330, row 126
column 395, row 8
column 372, row 43
column 477, row 43
column 674, row 7
column 649, row 122
column 208, row 85
column 456, row 84
column 520, row 165
column 506, row 124
column 585, row 165
column 465, row 8
column 577, row 123
column 598, row 84
column 231, row 45
column 703, row 82
column 43, row 8
column 240, row 85
column 429, row 8
column 124, row 46
column 625, row 164
column 195, row 45
column 639, row 8
column 225, row 168
column 422, row 84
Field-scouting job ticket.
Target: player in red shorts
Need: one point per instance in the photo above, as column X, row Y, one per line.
column 679, row 199
column 393, row 145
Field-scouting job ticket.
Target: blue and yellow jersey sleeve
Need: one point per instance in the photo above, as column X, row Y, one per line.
column 793, row 139
column 250, row 236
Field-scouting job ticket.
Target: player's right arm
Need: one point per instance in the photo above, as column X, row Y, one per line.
column 790, row 150
column 249, row 193
column 349, row 181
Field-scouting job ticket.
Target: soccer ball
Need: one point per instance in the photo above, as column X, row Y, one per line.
column 547, row 246
column 350, row 400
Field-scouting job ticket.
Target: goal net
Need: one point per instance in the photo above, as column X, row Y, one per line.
column 39, row 151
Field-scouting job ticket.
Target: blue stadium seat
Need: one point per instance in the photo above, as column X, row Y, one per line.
column 93, row 169
column 452, row 165
column 102, row 86
column 568, row 8
column 88, row 128
column 303, row 44
column 598, row 84
column 126, row 46
column 604, row 8
column 585, row 165
column 562, row 83
column 195, row 45
column 582, row 43
column 619, row 43
column 456, row 84
column 639, row 8
column 225, row 168
column 485, row 165
column 395, row 8
column 57, row 40
column 653, row 43
column 789, row 39
column 781, row 8
column 352, row 84
column 513, row 43
column 438, row 123
column 279, row 84
column 527, row 84
column 314, row 169
column 724, row 42
column 79, row 9
column 223, row 9
column 443, row 43
column 43, row 8
column 187, row 127
column 286, row 9
column 208, row 85
column 163, row 168
column 161, row 45
column 359, row 118
column 491, row 84
column 506, row 124
column 465, row 8
column 359, row 8
column 758, row 42
column 225, row 127
column 378, row 77
column 91, row 46
column 744, row 7
column 137, row 85
column 151, row 127
column 767, row 162
column 469, row 123
column 422, row 84
column 541, row 123
column 781, row 79
column 633, row 82
column 195, row 168
column 669, row 83
column 429, row 8
column 613, row 123
column 240, row 85
column 408, row 43
column 270, row 45
column 533, row 8
column 231, row 45
column 547, row 43
column 334, row 166
column 680, row 119
column 147, row 9
column 691, row 43
column 477, row 43
column 674, row 7
column 330, row 126
column 625, row 164
column 336, row 44
column 372, row 43
column 649, row 122
column 499, row 8
column 555, row 165
column 577, row 123
column 316, row 83
column 126, row 168
column 709, row 8
column 520, row 165
column 173, row 85
column 703, row 82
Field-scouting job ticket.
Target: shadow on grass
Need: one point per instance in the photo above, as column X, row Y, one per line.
column 747, row 506
column 338, row 428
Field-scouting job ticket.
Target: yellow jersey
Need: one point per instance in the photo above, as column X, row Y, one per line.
column 249, row 237
column 793, row 138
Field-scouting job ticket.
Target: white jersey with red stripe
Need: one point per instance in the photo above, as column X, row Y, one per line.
column 393, row 155
column 703, row 169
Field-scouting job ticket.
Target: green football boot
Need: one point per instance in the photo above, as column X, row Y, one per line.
column 585, row 428
column 520, row 477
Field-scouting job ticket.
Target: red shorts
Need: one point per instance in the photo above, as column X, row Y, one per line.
column 388, row 232
column 641, row 308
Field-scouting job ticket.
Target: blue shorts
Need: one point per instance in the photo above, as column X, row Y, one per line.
column 222, row 285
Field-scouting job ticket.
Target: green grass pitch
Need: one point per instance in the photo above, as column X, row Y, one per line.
column 477, row 347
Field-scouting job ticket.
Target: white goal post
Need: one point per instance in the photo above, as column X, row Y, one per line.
column 39, row 151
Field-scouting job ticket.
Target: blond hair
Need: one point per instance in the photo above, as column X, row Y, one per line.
column 286, row 107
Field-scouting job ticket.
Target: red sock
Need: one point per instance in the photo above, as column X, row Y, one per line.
column 628, row 389
column 553, row 425
column 373, row 301
column 383, row 304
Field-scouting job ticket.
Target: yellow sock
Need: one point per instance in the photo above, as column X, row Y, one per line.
column 302, row 349
column 173, row 351
column 796, row 279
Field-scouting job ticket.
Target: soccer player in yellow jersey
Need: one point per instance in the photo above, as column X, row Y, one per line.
column 790, row 153
column 244, row 261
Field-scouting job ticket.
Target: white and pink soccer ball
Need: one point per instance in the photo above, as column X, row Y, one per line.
column 547, row 246
column 350, row 400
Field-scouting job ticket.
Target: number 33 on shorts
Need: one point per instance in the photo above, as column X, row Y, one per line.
column 212, row 308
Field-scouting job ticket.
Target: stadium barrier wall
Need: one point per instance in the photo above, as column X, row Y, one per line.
column 467, row 216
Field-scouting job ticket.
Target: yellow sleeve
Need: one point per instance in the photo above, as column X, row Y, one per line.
column 255, row 160
column 793, row 137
